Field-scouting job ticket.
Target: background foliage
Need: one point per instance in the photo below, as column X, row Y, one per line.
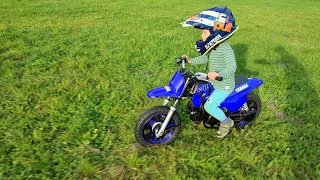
column 74, row 76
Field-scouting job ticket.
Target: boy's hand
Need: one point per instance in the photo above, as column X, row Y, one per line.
column 187, row 59
column 213, row 75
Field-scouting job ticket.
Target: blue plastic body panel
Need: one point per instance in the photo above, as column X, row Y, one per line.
column 174, row 89
column 239, row 95
column 234, row 101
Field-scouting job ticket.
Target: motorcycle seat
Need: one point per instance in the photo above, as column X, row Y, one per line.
column 240, row 80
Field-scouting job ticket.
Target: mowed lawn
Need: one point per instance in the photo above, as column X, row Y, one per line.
column 74, row 76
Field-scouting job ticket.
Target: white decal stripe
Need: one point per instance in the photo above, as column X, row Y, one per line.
column 211, row 13
column 184, row 24
column 167, row 88
column 205, row 21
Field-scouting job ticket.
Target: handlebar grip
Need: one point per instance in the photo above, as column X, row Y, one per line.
column 219, row 78
column 183, row 59
column 179, row 60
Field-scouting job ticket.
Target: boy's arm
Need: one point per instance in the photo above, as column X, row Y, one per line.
column 230, row 61
column 200, row 60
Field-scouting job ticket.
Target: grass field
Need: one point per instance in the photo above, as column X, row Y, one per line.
column 74, row 76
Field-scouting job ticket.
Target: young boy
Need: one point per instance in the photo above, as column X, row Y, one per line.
column 217, row 25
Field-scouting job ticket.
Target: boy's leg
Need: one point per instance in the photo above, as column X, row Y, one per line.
column 212, row 107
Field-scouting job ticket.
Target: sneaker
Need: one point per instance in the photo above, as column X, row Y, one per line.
column 224, row 128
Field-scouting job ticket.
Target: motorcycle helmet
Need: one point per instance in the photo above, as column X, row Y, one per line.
column 219, row 21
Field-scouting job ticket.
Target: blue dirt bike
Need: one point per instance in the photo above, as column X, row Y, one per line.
column 161, row 124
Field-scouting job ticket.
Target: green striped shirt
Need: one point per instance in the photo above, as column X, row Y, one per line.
column 221, row 60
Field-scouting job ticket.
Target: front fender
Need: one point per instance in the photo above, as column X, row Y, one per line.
column 174, row 89
column 162, row 92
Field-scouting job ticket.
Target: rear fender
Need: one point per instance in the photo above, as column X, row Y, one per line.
column 234, row 104
column 239, row 95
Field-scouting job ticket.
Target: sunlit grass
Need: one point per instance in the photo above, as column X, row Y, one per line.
column 74, row 77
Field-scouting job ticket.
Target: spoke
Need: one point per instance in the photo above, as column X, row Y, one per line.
column 154, row 138
column 151, row 122
column 252, row 104
column 170, row 125
column 159, row 118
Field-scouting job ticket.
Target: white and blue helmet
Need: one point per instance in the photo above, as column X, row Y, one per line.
column 219, row 21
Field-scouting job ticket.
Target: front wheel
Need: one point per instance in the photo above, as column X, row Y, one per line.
column 150, row 122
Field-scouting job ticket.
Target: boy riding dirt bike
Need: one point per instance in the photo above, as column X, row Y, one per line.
column 224, row 98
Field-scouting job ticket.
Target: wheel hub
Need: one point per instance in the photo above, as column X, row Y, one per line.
column 156, row 127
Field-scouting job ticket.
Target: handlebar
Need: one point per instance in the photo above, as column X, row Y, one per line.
column 198, row 75
column 204, row 77
column 181, row 60
column 219, row 78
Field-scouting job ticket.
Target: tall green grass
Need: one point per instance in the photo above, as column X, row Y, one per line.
column 74, row 74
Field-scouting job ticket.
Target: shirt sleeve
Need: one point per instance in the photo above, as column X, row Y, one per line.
column 230, row 61
column 199, row 60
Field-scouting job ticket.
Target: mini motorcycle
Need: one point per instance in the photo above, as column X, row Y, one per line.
column 161, row 124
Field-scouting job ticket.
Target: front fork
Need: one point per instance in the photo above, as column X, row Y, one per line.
column 160, row 132
column 166, row 101
column 171, row 111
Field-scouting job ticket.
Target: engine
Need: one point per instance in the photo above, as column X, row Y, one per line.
column 199, row 115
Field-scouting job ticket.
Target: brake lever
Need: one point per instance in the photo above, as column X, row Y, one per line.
column 178, row 60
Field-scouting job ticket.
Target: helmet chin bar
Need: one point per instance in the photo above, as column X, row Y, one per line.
column 211, row 42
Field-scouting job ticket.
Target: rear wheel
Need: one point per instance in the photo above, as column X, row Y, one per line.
column 254, row 108
column 151, row 121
